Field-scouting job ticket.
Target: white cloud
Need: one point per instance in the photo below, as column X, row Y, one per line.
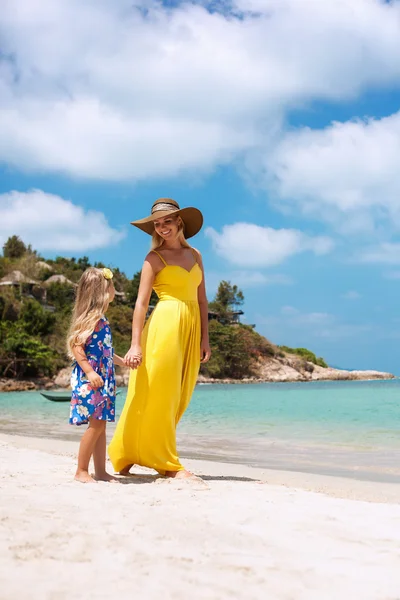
column 249, row 245
column 344, row 330
column 385, row 253
column 244, row 279
column 392, row 275
column 313, row 324
column 351, row 295
column 248, row 279
column 302, row 319
column 347, row 174
column 133, row 89
column 49, row 222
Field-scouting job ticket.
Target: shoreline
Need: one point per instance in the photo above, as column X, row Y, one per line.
column 49, row 384
column 336, row 486
column 190, row 451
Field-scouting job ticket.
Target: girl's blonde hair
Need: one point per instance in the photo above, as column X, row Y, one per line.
column 157, row 240
column 92, row 300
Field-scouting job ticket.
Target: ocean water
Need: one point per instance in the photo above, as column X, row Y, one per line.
column 339, row 428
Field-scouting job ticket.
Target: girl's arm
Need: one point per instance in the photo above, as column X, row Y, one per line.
column 205, row 350
column 119, row 361
column 133, row 357
column 94, row 379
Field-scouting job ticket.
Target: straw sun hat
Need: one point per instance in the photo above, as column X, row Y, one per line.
column 192, row 217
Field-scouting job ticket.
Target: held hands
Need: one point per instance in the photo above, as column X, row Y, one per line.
column 133, row 358
column 205, row 351
column 95, row 380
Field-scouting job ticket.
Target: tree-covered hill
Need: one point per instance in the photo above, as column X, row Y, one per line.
column 36, row 297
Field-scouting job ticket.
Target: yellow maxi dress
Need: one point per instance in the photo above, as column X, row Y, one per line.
column 160, row 389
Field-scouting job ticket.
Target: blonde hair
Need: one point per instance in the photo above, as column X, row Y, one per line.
column 157, row 240
column 91, row 302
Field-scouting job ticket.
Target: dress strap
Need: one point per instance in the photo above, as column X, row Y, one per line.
column 160, row 257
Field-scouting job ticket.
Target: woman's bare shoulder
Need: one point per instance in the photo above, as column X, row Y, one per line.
column 151, row 257
column 197, row 252
column 154, row 261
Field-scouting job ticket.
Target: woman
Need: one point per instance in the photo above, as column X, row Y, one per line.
column 166, row 355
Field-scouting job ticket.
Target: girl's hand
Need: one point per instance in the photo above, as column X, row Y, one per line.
column 95, row 380
column 133, row 358
column 205, row 352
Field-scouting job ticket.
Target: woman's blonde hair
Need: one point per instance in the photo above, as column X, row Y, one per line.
column 156, row 240
column 92, row 300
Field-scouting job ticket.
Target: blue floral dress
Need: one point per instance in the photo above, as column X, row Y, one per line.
column 98, row 403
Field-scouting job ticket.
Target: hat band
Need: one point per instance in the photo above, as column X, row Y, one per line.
column 164, row 206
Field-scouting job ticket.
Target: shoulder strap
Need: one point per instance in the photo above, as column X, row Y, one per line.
column 160, row 257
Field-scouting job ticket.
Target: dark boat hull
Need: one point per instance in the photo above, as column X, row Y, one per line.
column 64, row 396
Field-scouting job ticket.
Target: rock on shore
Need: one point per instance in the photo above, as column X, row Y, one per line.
column 272, row 370
column 293, row 368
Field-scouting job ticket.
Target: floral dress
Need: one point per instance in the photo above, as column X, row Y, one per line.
column 98, row 403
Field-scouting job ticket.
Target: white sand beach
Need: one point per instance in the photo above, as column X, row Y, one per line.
column 243, row 533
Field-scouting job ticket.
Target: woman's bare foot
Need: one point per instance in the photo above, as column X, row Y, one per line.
column 125, row 470
column 84, row 477
column 183, row 474
column 105, row 477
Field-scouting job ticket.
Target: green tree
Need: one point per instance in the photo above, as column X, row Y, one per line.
column 228, row 296
column 227, row 299
column 306, row 354
column 14, row 247
column 60, row 295
column 229, row 357
column 34, row 319
column 9, row 304
column 4, row 266
column 83, row 263
column 23, row 354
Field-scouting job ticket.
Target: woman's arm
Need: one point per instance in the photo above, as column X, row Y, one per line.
column 203, row 304
column 133, row 357
column 81, row 358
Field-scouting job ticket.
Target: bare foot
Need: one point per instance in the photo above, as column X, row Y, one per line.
column 84, row 477
column 183, row 474
column 125, row 470
column 105, row 477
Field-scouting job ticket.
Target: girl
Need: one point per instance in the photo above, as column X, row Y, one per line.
column 165, row 357
column 93, row 379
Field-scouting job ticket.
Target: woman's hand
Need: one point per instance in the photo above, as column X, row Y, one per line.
column 205, row 351
column 133, row 358
column 95, row 380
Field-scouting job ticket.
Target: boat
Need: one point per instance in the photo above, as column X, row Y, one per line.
column 62, row 396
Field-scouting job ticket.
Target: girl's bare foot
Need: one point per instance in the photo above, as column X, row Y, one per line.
column 105, row 477
column 84, row 477
column 183, row 474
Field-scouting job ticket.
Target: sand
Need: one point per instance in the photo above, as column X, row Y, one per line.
column 241, row 533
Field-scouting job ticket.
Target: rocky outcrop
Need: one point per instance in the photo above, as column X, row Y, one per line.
column 294, row 368
column 329, row 374
column 15, row 385
column 287, row 369
column 23, row 385
column 63, row 378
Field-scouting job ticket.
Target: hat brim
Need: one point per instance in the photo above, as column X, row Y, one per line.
column 192, row 218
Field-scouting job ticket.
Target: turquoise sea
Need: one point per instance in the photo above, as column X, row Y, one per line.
column 338, row 428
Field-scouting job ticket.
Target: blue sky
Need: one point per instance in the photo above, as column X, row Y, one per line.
column 282, row 126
